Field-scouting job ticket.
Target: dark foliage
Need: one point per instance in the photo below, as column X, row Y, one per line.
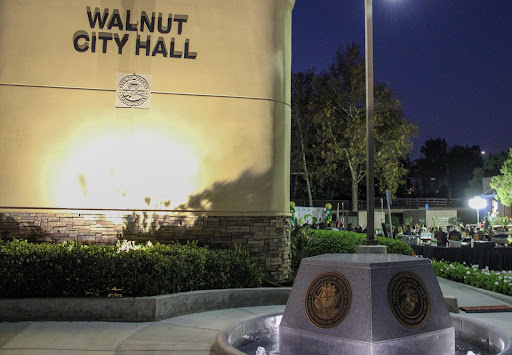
column 317, row 241
column 73, row 269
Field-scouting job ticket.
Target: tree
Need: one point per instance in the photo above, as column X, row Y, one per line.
column 494, row 162
column 460, row 164
column 432, row 165
column 448, row 170
column 503, row 183
column 491, row 167
column 341, row 123
column 475, row 184
column 303, row 98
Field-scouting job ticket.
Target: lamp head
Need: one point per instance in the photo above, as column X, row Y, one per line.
column 477, row 203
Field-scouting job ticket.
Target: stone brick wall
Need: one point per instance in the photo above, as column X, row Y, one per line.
column 265, row 237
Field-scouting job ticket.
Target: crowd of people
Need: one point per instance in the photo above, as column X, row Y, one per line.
column 443, row 236
column 452, row 233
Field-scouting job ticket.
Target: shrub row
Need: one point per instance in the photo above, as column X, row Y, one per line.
column 307, row 242
column 127, row 269
column 482, row 278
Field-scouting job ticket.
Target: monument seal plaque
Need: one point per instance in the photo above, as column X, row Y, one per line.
column 133, row 91
column 409, row 300
column 328, row 300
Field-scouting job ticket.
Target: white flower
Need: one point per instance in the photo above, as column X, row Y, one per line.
column 496, row 283
column 469, row 272
column 500, row 277
column 442, row 270
column 125, row 246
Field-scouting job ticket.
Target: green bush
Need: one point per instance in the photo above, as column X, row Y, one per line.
column 395, row 246
column 319, row 241
column 395, row 221
column 73, row 269
column 325, row 241
column 298, row 242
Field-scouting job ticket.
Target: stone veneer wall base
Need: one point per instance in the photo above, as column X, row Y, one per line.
column 265, row 237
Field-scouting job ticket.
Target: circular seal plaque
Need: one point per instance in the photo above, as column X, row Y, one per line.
column 409, row 300
column 328, row 300
column 133, row 90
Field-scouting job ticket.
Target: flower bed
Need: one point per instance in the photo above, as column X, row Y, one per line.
column 500, row 282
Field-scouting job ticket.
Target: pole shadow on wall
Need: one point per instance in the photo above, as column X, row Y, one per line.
column 249, row 190
column 11, row 229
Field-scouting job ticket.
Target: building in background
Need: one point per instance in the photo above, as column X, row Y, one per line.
column 494, row 206
column 152, row 119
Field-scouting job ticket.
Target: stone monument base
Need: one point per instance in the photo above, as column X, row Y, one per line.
column 371, row 249
column 366, row 304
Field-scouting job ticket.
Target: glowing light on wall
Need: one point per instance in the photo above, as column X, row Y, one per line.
column 151, row 169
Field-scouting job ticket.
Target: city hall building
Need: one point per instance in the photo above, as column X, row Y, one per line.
column 153, row 119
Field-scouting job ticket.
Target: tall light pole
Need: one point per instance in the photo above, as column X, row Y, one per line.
column 370, row 133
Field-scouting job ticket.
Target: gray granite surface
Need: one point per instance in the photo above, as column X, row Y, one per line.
column 366, row 261
column 369, row 322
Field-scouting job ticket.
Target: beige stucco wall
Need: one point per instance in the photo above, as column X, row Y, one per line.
column 215, row 139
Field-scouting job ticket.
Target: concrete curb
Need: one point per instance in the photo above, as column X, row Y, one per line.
column 145, row 309
column 139, row 309
column 499, row 296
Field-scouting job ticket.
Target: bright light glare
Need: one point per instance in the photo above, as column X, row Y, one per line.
column 154, row 170
column 477, row 203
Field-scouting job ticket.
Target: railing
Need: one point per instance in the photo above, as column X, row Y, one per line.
column 422, row 201
column 419, row 202
column 344, row 204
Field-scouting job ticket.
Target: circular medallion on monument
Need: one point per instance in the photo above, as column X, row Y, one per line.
column 409, row 300
column 133, row 90
column 328, row 300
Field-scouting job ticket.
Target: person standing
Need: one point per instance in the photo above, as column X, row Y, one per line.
column 454, row 234
column 440, row 237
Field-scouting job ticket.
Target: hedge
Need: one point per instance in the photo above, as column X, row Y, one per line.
column 127, row 269
column 306, row 242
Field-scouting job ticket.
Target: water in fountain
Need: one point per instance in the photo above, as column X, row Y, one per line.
column 268, row 340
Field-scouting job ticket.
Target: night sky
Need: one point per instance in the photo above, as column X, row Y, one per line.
column 449, row 61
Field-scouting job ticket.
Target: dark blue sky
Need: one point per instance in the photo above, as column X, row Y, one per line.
column 449, row 61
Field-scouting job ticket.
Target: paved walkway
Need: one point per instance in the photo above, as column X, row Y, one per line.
column 189, row 335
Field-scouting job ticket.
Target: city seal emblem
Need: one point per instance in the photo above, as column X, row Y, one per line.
column 409, row 300
column 328, row 300
column 133, row 90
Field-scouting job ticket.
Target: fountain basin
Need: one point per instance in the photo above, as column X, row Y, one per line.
column 483, row 335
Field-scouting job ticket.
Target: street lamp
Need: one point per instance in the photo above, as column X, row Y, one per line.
column 370, row 133
column 477, row 203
